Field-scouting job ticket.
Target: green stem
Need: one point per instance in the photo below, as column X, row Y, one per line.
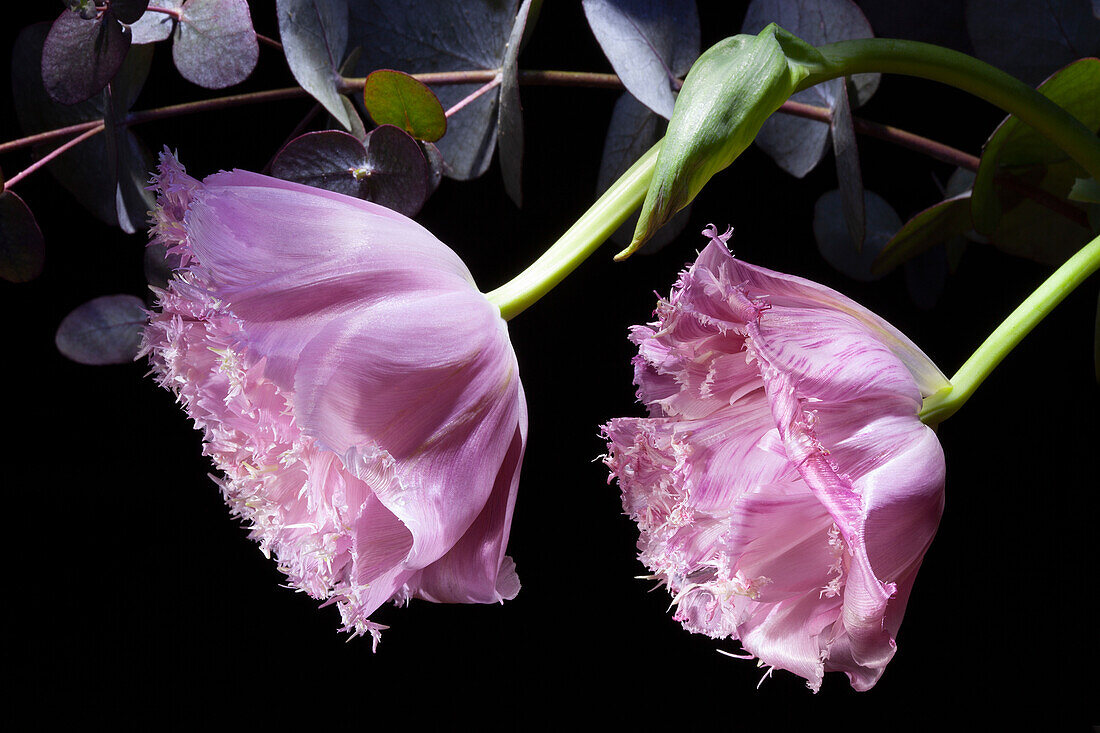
column 581, row 240
column 1073, row 272
column 924, row 60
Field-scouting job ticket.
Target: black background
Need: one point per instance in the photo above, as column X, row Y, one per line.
column 137, row 598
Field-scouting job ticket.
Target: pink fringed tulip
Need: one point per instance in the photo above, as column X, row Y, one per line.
column 783, row 485
column 358, row 393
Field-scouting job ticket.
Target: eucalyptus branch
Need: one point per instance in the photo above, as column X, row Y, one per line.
column 53, row 154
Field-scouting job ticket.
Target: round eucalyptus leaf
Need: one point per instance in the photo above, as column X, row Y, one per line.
column 105, row 330
column 835, row 242
column 331, row 159
column 215, row 45
column 80, row 56
column 395, row 98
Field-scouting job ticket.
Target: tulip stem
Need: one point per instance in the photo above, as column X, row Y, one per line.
column 964, row 72
column 1073, row 272
column 581, row 240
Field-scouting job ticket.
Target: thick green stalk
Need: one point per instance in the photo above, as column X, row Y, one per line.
column 964, row 72
column 1027, row 315
column 581, row 240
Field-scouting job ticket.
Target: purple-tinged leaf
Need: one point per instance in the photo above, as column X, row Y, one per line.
column 215, row 45
column 1030, row 39
column 429, row 36
column 649, row 43
column 935, row 225
column 397, row 172
column 848, row 173
column 510, row 119
column 106, row 330
column 389, row 170
column 332, row 160
column 314, row 34
column 128, row 11
column 835, row 243
column 22, row 249
column 80, row 56
column 154, row 25
column 796, row 144
column 633, row 130
column 395, row 98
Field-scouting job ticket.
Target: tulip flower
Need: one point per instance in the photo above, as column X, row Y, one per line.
column 358, row 394
column 784, row 487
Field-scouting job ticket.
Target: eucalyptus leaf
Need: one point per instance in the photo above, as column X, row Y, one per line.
column 395, row 98
column 314, row 34
column 1030, row 39
column 634, row 129
column 835, row 243
column 436, row 165
column 215, row 45
column 22, row 248
column 428, row 36
column 154, row 25
column 332, row 160
column 848, row 173
column 80, row 56
column 649, row 43
column 106, row 330
column 796, row 144
column 510, row 119
column 389, row 169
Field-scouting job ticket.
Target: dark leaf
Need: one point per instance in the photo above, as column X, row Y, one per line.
column 650, row 43
column 935, row 225
column 634, row 129
column 332, row 160
column 156, row 26
column 1030, row 39
column 397, row 172
column 128, row 11
column 849, row 176
column 428, row 36
column 389, row 170
column 395, row 98
column 128, row 161
column 215, row 45
column 1017, row 148
column 1028, row 228
column 835, row 244
column 510, row 119
column 796, row 144
column 106, row 330
column 314, row 34
column 80, row 169
column 80, row 56
column 22, row 249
